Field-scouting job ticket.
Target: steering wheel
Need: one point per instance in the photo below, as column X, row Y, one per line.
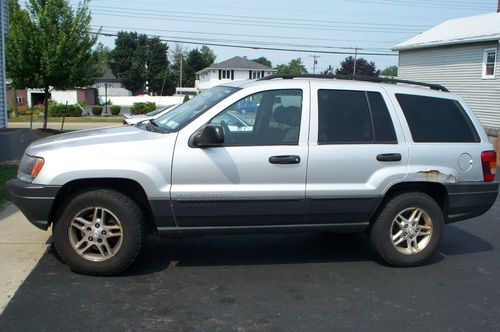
column 227, row 133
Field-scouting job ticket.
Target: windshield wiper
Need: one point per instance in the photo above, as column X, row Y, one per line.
column 158, row 127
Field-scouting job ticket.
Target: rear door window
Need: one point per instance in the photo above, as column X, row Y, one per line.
column 353, row 117
column 437, row 120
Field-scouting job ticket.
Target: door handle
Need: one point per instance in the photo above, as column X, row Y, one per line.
column 389, row 157
column 284, row 159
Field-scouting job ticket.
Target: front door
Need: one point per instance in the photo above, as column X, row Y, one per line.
column 258, row 176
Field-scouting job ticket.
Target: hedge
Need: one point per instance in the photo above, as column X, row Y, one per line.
column 60, row 110
column 97, row 110
column 115, row 109
column 142, row 108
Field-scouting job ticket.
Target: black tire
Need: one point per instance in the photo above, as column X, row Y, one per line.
column 132, row 229
column 382, row 228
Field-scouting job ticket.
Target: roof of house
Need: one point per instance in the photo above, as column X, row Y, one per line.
column 108, row 76
column 457, row 31
column 237, row 63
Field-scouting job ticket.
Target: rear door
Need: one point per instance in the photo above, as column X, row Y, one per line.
column 356, row 151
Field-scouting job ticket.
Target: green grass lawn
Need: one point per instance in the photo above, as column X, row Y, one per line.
column 26, row 118
column 6, row 172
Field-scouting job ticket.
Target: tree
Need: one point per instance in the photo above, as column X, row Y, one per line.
column 160, row 79
column 51, row 46
column 293, row 67
column 263, row 61
column 363, row 67
column 328, row 71
column 391, row 71
column 197, row 60
column 137, row 59
column 128, row 60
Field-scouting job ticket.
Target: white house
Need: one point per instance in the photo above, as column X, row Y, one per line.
column 114, row 86
column 237, row 68
column 461, row 54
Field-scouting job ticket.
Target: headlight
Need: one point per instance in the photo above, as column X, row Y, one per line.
column 29, row 168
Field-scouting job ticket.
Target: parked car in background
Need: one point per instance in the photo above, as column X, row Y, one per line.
column 397, row 162
column 129, row 119
column 233, row 121
column 246, row 106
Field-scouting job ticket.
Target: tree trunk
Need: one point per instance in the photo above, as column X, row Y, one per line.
column 46, row 107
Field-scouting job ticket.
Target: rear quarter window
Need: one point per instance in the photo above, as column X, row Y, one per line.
column 437, row 120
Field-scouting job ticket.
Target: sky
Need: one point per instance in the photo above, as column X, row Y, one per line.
column 373, row 26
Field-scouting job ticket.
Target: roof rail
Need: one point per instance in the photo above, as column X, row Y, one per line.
column 356, row 78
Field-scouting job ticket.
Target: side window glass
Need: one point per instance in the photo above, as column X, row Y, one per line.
column 354, row 117
column 382, row 122
column 434, row 119
column 344, row 117
column 266, row 118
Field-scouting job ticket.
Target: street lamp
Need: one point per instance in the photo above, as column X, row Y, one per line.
column 106, row 98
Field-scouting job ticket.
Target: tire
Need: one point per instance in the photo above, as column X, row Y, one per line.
column 106, row 247
column 400, row 240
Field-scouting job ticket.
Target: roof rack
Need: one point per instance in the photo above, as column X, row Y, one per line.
column 357, row 78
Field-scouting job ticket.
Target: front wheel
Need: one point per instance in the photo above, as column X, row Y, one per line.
column 408, row 229
column 99, row 232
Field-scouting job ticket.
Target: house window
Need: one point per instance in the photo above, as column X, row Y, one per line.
column 489, row 63
column 257, row 74
column 20, row 100
column 226, row 74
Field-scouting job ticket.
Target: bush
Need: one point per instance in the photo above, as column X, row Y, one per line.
column 142, row 108
column 21, row 110
column 60, row 110
column 97, row 110
column 115, row 109
column 186, row 98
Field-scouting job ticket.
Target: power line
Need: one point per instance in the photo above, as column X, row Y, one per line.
column 236, row 18
column 253, row 42
column 280, row 10
column 251, row 35
column 255, row 47
column 425, row 5
column 256, row 24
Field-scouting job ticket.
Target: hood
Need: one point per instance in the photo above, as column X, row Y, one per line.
column 108, row 135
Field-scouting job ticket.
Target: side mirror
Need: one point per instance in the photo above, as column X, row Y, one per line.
column 209, row 136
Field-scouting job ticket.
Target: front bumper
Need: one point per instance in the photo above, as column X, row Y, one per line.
column 470, row 199
column 34, row 201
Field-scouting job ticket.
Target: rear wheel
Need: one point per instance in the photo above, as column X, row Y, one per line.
column 99, row 232
column 408, row 229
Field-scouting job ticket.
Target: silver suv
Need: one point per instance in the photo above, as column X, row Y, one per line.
column 317, row 154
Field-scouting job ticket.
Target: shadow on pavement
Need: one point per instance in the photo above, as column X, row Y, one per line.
column 296, row 248
column 7, row 211
column 457, row 241
column 227, row 250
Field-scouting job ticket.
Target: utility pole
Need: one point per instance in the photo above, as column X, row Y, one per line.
column 356, row 49
column 180, row 83
column 315, row 62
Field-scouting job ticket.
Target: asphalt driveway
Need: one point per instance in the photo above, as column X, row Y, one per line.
column 294, row 282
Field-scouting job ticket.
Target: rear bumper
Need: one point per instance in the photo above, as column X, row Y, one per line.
column 34, row 201
column 470, row 199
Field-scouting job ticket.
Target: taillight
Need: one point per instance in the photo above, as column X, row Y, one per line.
column 125, row 122
column 489, row 161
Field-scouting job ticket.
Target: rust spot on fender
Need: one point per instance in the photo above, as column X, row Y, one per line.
column 436, row 176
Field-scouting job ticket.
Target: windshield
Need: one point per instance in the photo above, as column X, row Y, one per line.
column 183, row 114
column 158, row 110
